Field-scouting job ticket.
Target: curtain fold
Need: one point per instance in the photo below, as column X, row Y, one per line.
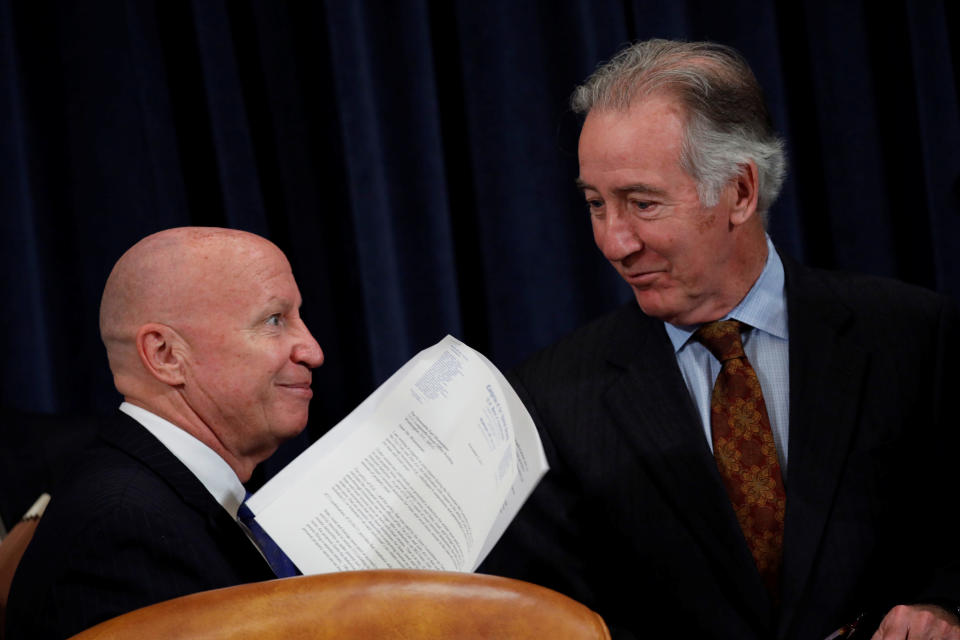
column 416, row 161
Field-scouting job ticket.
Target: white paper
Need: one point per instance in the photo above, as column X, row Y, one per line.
column 426, row 473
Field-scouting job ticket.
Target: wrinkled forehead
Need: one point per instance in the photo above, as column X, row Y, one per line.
column 233, row 275
column 649, row 128
column 174, row 275
column 191, row 277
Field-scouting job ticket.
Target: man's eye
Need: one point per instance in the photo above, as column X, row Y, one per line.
column 275, row 320
column 645, row 208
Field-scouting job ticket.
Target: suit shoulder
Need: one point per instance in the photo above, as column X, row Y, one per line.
column 109, row 478
column 111, row 493
column 894, row 301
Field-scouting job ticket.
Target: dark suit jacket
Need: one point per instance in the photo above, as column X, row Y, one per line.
column 131, row 528
column 633, row 520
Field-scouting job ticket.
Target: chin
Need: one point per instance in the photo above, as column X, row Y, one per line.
column 670, row 305
column 653, row 305
column 290, row 427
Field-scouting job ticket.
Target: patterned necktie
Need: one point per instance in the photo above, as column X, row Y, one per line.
column 276, row 558
column 744, row 449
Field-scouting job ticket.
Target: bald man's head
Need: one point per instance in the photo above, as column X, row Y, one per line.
column 202, row 327
column 154, row 279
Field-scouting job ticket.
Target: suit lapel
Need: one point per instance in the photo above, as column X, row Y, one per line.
column 130, row 436
column 649, row 402
column 826, row 374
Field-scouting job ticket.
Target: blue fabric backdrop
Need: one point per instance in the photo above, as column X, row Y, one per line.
column 416, row 159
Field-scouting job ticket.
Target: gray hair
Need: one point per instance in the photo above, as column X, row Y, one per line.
column 727, row 122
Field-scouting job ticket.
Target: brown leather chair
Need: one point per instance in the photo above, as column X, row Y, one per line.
column 386, row 604
column 12, row 548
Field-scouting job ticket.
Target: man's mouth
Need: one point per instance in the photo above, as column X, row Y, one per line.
column 642, row 278
column 298, row 388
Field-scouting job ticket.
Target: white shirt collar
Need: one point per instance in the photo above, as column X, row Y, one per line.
column 205, row 463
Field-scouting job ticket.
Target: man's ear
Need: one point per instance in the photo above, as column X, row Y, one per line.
column 161, row 350
column 745, row 194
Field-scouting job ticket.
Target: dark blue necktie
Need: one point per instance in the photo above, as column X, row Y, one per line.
column 276, row 558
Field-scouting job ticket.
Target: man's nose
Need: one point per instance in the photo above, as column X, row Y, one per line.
column 618, row 239
column 307, row 350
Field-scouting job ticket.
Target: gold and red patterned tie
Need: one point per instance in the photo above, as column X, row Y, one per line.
column 744, row 449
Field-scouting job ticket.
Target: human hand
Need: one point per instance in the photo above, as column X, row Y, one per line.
column 918, row 622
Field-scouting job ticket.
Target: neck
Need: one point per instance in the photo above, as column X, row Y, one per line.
column 751, row 266
column 172, row 409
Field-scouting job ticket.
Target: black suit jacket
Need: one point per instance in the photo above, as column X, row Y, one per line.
column 133, row 527
column 633, row 519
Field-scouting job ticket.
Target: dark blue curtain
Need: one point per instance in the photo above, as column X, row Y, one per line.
column 416, row 159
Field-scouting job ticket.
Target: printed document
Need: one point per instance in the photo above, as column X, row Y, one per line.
column 425, row 474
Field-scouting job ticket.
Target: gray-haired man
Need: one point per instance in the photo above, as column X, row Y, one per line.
column 777, row 481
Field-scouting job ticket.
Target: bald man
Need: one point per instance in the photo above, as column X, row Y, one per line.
column 207, row 347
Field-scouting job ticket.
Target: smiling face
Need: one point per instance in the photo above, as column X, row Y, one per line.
column 686, row 263
column 249, row 354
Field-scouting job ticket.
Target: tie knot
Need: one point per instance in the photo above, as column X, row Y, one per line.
column 722, row 339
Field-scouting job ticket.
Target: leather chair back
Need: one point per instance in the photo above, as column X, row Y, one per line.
column 383, row 604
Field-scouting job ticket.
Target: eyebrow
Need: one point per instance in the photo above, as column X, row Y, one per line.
column 282, row 301
column 626, row 190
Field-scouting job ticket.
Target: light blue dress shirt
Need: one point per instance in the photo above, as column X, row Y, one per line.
column 766, row 345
